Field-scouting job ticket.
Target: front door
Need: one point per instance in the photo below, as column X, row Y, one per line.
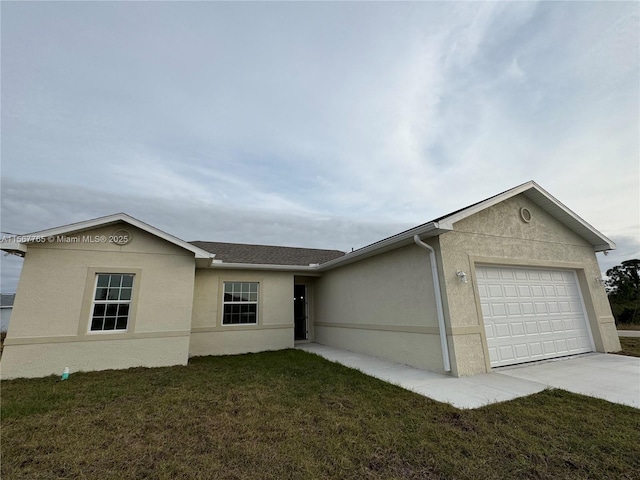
column 300, row 312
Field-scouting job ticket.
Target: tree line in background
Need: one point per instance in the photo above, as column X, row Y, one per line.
column 623, row 289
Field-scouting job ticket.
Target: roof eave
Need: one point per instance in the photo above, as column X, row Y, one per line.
column 112, row 220
column 599, row 241
column 13, row 247
column 447, row 222
column 605, row 247
column 263, row 266
column 431, row 229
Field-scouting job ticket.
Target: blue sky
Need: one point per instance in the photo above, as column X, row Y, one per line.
column 328, row 125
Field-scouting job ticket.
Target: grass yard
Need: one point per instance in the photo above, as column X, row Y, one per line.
column 630, row 346
column 290, row 415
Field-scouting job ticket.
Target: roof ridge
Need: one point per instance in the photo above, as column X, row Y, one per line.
column 263, row 245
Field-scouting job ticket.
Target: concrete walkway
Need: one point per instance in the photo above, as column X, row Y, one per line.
column 629, row 333
column 613, row 377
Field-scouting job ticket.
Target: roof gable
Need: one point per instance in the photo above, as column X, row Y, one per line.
column 546, row 202
column 15, row 245
column 531, row 190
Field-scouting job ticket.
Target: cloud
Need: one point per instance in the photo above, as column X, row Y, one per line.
column 298, row 116
column 38, row 206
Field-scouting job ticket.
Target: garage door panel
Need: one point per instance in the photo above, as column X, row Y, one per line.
column 492, row 273
column 527, row 308
column 498, row 310
column 537, row 291
column 549, row 347
column 502, row 330
column 513, row 309
column 561, row 346
column 520, row 274
column 541, row 307
column 495, row 291
column 564, row 307
column 493, row 354
column 521, row 350
column 506, row 353
column 553, row 307
column 510, row 291
column 535, row 349
column 576, row 307
column 573, row 343
column 517, row 329
column 544, row 326
column 531, row 314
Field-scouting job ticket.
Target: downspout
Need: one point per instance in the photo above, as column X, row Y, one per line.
column 438, row 295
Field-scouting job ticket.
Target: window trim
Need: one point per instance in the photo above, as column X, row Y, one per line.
column 225, row 303
column 86, row 311
column 106, row 302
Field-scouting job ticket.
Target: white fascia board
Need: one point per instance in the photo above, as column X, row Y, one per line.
column 263, row 266
column 576, row 223
column 11, row 246
column 448, row 222
column 605, row 247
column 113, row 219
column 431, row 229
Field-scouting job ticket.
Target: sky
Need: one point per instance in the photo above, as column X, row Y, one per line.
column 323, row 125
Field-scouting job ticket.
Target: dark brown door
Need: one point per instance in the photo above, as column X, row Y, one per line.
column 300, row 311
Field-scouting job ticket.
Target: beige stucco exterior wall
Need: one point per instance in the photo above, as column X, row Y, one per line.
column 50, row 321
column 274, row 330
column 498, row 235
column 382, row 306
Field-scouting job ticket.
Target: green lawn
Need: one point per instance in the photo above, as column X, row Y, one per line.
column 630, row 346
column 290, row 415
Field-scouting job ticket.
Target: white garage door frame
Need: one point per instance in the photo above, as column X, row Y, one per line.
column 528, row 346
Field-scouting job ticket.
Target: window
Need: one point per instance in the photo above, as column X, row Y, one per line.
column 111, row 302
column 240, row 303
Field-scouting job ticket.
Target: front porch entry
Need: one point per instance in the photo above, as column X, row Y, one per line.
column 300, row 312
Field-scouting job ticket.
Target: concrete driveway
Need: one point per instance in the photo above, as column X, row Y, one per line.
column 615, row 378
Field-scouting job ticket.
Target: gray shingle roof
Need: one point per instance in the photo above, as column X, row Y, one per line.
column 7, row 300
column 267, row 254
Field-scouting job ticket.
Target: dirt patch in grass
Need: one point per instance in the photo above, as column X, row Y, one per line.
column 294, row 415
column 630, row 346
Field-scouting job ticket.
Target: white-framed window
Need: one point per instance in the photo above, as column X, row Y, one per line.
column 240, row 303
column 111, row 302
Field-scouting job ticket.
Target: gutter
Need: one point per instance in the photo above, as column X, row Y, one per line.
column 438, row 294
column 430, row 229
column 219, row 265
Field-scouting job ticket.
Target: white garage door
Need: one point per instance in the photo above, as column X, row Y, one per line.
column 531, row 314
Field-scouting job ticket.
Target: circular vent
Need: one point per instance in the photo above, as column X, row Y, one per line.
column 525, row 215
